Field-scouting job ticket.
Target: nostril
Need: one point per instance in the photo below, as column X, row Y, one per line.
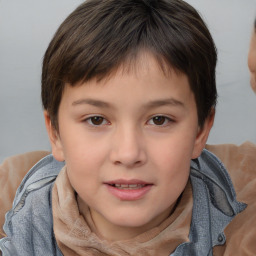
column 138, row 162
column 118, row 163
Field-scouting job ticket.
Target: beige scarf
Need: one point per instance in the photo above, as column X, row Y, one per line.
column 74, row 236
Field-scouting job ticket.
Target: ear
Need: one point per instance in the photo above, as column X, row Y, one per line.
column 57, row 148
column 202, row 136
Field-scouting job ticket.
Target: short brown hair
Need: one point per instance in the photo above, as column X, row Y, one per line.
column 100, row 35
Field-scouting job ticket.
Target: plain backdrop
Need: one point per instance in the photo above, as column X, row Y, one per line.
column 26, row 28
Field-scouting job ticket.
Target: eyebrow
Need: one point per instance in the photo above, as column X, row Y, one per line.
column 93, row 102
column 150, row 104
column 164, row 102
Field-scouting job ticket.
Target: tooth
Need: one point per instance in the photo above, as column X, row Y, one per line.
column 133, row 185
column 128, row 186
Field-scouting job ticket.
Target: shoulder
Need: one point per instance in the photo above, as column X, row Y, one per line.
column 29, row 222
column 240, row 161
column 12, row 171
column 41, row 174
column 208, row 171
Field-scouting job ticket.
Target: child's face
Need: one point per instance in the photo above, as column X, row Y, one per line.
column 127, row 142
column 252, row 60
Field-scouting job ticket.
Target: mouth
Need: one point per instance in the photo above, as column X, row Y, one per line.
column 128, row 190
column 128, row 186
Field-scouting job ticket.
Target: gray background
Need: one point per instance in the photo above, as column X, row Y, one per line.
column 27, row 26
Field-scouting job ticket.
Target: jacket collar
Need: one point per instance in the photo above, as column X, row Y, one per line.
column 214, row 207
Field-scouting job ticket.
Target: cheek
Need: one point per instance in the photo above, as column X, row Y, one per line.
column 82, row 148
column 84, row 160
column 173, row 174
column 173, row 157
column 83, row 170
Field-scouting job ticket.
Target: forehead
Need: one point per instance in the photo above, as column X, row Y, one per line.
column 142, row 79
column 143, row 61
column 138, row 63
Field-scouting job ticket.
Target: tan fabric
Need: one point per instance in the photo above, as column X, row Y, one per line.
column 12, row 171
column 74, row 236
column 241, row 164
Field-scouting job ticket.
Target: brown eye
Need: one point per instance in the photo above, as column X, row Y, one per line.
column 159, row 120
column 96, row 120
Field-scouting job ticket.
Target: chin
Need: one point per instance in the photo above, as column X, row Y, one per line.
column 134, row 220
column 131, row 221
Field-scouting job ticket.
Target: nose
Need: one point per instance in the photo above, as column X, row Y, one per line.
column 128, row 148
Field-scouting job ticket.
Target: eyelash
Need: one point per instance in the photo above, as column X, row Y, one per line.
column 164, row 120
column 90, row 120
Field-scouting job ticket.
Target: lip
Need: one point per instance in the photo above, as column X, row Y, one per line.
column 129, row 194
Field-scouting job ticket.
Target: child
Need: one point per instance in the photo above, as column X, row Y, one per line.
column 252, row 58
column 128, row 89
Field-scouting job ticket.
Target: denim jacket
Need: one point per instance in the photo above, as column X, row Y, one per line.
column 29, row 224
